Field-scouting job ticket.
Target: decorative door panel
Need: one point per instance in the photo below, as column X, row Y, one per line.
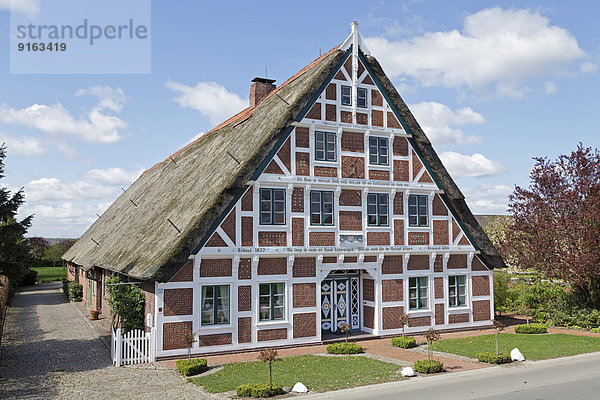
column 340, row 303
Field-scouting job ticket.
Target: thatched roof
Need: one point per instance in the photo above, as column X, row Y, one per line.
column 190, row 191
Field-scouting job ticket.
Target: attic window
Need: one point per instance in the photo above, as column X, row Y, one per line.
column 346, row 95
column 325, row 146
column 417, row 210
column 272, row 206
column 362, row 97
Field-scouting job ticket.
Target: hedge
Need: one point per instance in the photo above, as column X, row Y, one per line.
column 194, row 366
column 344, row 348
column 404, row 342
column 428, row 367
column 73, row 290
column 492, row 358
column 259, row 390
column 531, row 328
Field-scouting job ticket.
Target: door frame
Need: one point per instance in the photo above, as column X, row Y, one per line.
column 348, row 277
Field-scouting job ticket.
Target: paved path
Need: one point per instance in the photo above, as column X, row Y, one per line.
column 49, row 352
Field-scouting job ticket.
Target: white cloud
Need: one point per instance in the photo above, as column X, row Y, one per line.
column 476, row 165
column 588, row 67
column 439, row 122
column 30, row 8
column 62, row 220
column 52, row 189
column 500, row 47
column 210, row 98
column 114, row 176
column 550, row 87
column 488, row 199
column 25, row 145
column 96, row 126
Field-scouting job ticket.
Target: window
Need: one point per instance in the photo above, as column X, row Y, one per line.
column 378, row 150
column 215, row 304
column 456, row 290
column 272, row 206
column 377, row 209
column 417, row 293
column 324, row 146
column 321, row 208
column 272, row 301
column 361, row 100
column 346, row 95
column 417, row 210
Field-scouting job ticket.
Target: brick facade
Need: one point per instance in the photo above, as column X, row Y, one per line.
column 458, row 318
column 481, row 310
column 418, row 238
column 439, row 314
column 215, row 267
column 350, row 198
column 304, row 267
column 271, row 334
column 368, row 316
column 392, row 264
column 440, row 233
column 217, row 339
column 481, row 285
column 247, row 231
column 353, row 141
column 353, row 167
column 457, row 261
column 378, row 238
column 185, row 274
column 369, row 289
column 438, row 285
column 297, row 231
column 272, row 266
column 350, row 220
column 272, row 239
column 321, row 239
column 304, row 295
column 178, row 302
column 418, row 262
column 244, row 329
column 305, row 325
column 392, row 290
column 399, row 232
column 390, row 315
column 172, row 333
column 244, row 298
column 245, row 268
column 419, row 321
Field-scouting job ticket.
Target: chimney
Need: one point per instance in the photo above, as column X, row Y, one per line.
column 259, row 89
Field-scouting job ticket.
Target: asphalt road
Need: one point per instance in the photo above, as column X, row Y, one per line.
column 572, row 378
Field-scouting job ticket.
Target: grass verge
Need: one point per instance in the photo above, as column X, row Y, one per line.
column 50, row 274
column 533, row 347
column 318, row 373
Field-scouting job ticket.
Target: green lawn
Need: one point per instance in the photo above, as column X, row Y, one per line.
column 318, row 373
column 49, row 274
column 533, row 347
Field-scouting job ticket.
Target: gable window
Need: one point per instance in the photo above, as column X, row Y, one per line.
column 417, row 210
column 325, row 146
column 321, row 208
column 456, row 290
column 346, row 95
column 272, row 206
column 272, row 301
column 215, row 304
column 377, row 209
column 378, row 150
column 417, row 293
column 361, row 97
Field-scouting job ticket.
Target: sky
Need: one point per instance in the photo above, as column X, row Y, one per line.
column 492, row 83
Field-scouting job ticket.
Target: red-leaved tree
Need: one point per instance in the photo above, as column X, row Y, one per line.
column 556, row 227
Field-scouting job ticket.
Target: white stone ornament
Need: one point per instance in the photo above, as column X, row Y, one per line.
column 516, row 355
column 299, row 388
column 407, row 371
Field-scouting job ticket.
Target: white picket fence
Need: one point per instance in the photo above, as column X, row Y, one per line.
column 134, row 347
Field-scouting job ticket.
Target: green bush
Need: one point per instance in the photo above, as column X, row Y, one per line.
column 541, row 317
column 29, row 277
column 259, row 390
column 492, row 358
column 404, row 342
column 344, row 348
column 428, row 367
column 193, row 366
column 595, row 330
column 75, row 291
column 531, row 328
column 65, row 283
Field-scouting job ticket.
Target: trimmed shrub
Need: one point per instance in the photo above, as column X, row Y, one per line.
column 344, row 348
column 595, row 330
column 428, row 367
column 65, row 283
column 29, row 277
column 531, row 328
column 75, row 291
column 259, row 390
column 492, row 358
column 193, row 366
column 404, row 342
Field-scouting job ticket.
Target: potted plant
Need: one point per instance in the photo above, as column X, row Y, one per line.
column 94, row 314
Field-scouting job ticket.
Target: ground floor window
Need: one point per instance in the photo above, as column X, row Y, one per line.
column 456, row 290
column 417, row 293
column 272, row 301
column 215, row 304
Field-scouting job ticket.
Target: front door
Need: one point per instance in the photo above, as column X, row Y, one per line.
column 339, row 302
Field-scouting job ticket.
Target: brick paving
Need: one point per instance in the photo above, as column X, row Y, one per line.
column 49, row 352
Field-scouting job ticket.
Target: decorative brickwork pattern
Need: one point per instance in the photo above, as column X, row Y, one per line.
column 302, row 137
column 400, row 146
column 438, row 263
column 271, row 334
column 438, row 285
column 438, row 207
column 399, row 232
column 185, row 274
column 346, row 117
column 377, row 117
column 391, row 264
column 272, row 266
column 378, row 238
column 418, row 262
column 330, row 112
column 228, row 225
column 217, row 339
column 353, row 167
column 362, row 118
column 425, row 178
column 272, row 239
column 440, row 233
column 391, row 290
column 244, row 329
column 477, row 265
column 273, row 168
column 458, row 318
column 285, row 154
column 245, row 268
column 455, row 230
column 350, row 198
column 481, row 285
column 304, row 267
column 417, row 166
column 353, row 141
column 464, row 241
column 304, row 295
column 302, row 164
column 215, row 241
column 390, row 315
column 326, row 171
column 367, row 80
column 305, row 325
column 481, row 310
column 350, row 259
column 340, row 76
column 215, row 267
column 329, row 260
column 315, row 112
column 376, row 98
column 247, row 231
column 350, row 220
column 419, row 321
column 379, row 175
column 361, row 68
column 297, row 231
column 348, row 66
column 370, row 259
column 439, row 314
column 418, row 238
column 368, row 316
column 298, row 199
column 245, row 298
column 178, row 302
column 172, row 334
column 399, row 203
column 401, row 170
column 392, row 121
column 331, row 91
column 321, row 239
column 247, row 200
column 457, row 261
column 369, row 289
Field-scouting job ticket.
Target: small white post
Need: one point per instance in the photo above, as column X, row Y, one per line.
column 119, row 347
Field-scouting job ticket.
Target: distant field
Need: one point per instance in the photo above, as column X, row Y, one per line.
column 50, row 274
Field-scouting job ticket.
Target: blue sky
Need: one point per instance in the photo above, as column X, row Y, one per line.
column 493, row 84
